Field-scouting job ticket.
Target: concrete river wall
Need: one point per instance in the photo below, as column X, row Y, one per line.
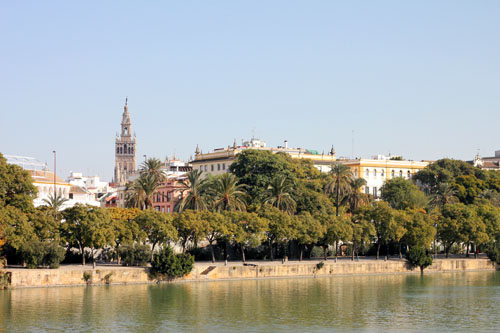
column 80, row 275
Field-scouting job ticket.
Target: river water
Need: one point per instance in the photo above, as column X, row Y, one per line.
column 433, row 302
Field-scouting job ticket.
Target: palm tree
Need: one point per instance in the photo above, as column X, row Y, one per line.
column 153, row 167
column 355, row 197
column 492, row 196
column 279, row 194
column 139, row 194
column 445, row 194
column 55, row 201
column 226, row 193
column 196, row 192
column 341, row 175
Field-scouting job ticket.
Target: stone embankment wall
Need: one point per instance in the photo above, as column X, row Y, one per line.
column 123, row 275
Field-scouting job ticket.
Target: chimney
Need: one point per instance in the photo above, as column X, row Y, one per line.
column 286, row 144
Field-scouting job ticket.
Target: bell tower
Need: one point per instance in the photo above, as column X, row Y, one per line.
column 125, row 150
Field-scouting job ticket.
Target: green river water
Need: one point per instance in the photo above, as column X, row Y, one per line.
column 433, row 302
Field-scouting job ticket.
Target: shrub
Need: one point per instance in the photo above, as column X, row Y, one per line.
column 54, row 255
column 33, row 253
column 36, row 253
column 107, row 278
column 319, row 265
column 418, row 257
column 494, row 253
column 87, row 277
column 171, row 265
column 138, row 255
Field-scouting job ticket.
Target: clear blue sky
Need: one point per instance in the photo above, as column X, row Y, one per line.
column 419, row 79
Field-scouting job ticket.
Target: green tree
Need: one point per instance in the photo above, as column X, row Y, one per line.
column 195, row 198
column 417, row 257
column 338, row 229
column 190, row 227
column 308, row 230
column 153, row 167
column 401, row 193
column 158, row 227
column 381, row 215
column 338, row 184
column 444, row 194
column 363, row 232
column 258, row 168
column 226, row 193
column 357, row 199
column 280, row 229
column 216, row 227
column 279, row 194
column 88, row 227
column 56, row 203
column 249, row 230
column 171, row 265
column 420, row 230
column 16, row 187
column 46, row 226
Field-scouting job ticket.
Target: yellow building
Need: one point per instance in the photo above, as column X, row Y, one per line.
column 377, row 170
column 219, row 160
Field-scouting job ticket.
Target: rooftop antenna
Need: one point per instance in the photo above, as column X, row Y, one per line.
column 352, row 144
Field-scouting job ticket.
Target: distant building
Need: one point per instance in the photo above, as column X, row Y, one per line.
column 91, row 183
column 46, row 182
column 167, row 195
column 125, row 150
column 219, row 160
column 487, row 163
column 381, row 168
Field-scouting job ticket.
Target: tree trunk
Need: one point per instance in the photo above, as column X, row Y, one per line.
column 467, row 250
column 212, row 251
column 82, row 251
column 243, row 254
column 92, row 250
column 378, row 248
column 152, row 251
column 270, row 249
column 337, row 203
column 422, row 270
column 352, row 252
column 301, row 252
column 400, row 254
column 336, row 249
column 225, row 250
column 325, row 249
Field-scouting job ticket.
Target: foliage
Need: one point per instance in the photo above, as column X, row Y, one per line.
column 279, row 194
column 157, row 226
column 36, row 253
column 248, row 229
column 88, row 226
column 171, row 265
column 16, row 187
column 226, row 193
column 190, row 227
column 420, row 228
column 417, row 257
column 338, row 184
column 401, row 193
column 196, row 197
column 134, row 255
column 55, row 202
column 308, row 230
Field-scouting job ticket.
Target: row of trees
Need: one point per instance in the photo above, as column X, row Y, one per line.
column 271, row 203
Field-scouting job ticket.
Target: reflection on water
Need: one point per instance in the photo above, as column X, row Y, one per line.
column 447, row 301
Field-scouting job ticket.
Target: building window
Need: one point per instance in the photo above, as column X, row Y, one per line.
column 367, row 190
column 71, row 195
column 382, row 173
column 201, row 167
column 367, row 173
column 168, row 209
column 163, row 209
column 211, row 167
column 218, row 166
column 375, row 193
column 206, row 168
column 392, row 173
column 409, row 174
column 375, row 173
column 223, row 166
column 157, row 208
column 356, row 173
column 401, row 173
